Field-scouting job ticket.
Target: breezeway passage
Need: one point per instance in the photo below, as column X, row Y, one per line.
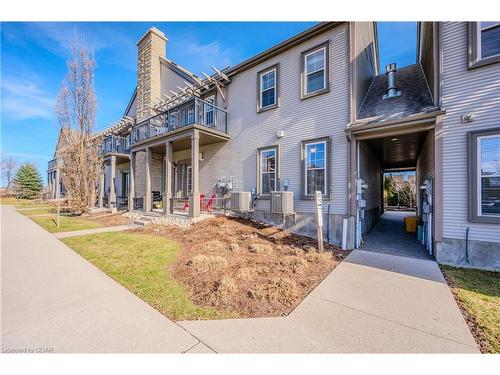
column 371, row 302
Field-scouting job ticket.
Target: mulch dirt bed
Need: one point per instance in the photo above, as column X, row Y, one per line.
column 109, row 220
column 247, row 269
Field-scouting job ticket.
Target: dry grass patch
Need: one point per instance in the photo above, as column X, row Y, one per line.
column 246, row 269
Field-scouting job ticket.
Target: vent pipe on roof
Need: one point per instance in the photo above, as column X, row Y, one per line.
column 392, row 90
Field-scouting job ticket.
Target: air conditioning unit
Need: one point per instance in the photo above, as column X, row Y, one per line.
column 240, row 200
column 282, row 202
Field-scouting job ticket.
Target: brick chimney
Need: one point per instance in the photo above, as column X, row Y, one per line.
column 150, row 48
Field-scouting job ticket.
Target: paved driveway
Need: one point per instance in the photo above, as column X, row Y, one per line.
column 51, row 297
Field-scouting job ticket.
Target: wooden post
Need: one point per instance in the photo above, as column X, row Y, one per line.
column 112, row 190
column 148, row 204
column 194, row 202
column 318, row 199
column 131, row 187
column 167, row 194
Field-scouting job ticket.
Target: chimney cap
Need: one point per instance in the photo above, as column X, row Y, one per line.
column 157, row 32
column 391, row 68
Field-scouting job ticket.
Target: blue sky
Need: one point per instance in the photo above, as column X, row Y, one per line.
column 33, row 64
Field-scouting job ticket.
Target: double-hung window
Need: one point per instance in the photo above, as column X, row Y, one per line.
column 268, row 170
column 268, row 88
column 315, row 166
column 484, row 190
column 484, row 40
column 315, row 71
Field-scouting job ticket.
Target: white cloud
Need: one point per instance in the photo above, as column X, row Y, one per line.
column 202, row 56
column 24, row 98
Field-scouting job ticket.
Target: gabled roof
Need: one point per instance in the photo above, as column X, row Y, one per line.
column 180, row 70
column 415, row 97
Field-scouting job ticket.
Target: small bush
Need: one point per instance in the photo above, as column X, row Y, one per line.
column 260, row 248
column 221, row 291
column 318, row 258
column 203, row 263
column 234, row 247
column 280, row 290
column 294, row 264
column 216, row 245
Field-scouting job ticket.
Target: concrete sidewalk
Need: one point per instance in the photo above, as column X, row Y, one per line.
column 51, row 297
column 83, row 232
column 370, row 303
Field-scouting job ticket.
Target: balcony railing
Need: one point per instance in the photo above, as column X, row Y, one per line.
column 194, row 111
column 53, row 164
column 115, row 144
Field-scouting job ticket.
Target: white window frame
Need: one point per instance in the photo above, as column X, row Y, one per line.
column 325, row 168
column 275, row 87
column 307, row 73
column 261, row 169
column 476, row 60
column 479, row 175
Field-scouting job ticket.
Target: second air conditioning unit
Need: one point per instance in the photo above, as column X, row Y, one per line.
column 282, row 202
column 240, row 200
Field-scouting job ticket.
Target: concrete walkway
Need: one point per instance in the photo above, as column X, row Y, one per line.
column 389, row 237
column 51, row 297
column 83, row 232
column 371, row 303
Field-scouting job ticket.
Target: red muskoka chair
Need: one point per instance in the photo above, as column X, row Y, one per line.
column 186, row 202
column 208, row 205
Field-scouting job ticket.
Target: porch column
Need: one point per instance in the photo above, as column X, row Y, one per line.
column 112, row 190
column 101, row 185
column 168, row 179
column 147, row 198
column 194, row 199
column 131, row 187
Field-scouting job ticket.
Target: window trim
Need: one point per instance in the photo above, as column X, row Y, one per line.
column 260, row 73
column 474, row 47
column 473, row 156
column 303, row 77
column 276, row 148
column 303, row 161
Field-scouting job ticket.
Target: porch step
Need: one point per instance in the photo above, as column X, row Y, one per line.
column 144, row 220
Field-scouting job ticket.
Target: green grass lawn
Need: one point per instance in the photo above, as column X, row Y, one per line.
column 37, row 211
column 479, row 294
column 17, row 202
column 140, row 263
column 66, row 223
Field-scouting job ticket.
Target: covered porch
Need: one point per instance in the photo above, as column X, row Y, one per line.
column 165, row 172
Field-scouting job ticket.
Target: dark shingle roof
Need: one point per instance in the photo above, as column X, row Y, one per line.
column 415, row 97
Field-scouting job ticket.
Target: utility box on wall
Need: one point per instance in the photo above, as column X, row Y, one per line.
column 282, row 202
column 240, row 200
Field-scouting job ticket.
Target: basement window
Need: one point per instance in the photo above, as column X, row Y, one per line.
column 484, row 43
column 484, row 189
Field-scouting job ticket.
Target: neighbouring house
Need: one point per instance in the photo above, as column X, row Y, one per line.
column 313, row 113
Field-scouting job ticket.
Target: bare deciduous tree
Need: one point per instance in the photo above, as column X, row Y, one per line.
column 78, row 155
column 9, row 166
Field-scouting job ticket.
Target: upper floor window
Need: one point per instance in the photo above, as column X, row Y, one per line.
column 268, row 88
column 315, row 166
column 484, row 154
column 315, row 71
column 484, row 43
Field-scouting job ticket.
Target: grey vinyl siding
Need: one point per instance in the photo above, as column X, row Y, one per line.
column 325, row 115
column 464, row 91
column 425, row 166
column 427, row 57
column 370, row 172
column 364, row 59
column 170, row 79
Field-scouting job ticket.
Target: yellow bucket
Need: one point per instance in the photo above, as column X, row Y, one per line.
column 411, row 224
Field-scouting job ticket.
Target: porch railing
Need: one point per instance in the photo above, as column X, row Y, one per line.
column 194, row 111
column 115, row 144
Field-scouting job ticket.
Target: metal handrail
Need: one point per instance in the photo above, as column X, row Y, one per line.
column 193, row 111
column 115, row 144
